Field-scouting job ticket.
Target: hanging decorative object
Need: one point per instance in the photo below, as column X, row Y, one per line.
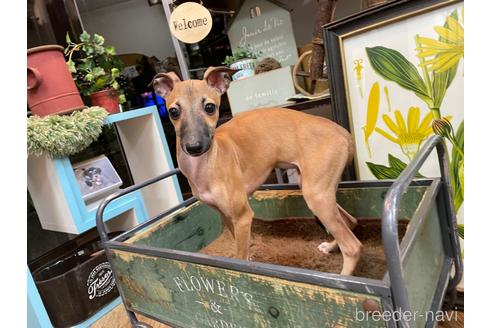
column 266, row 27
column 64, row 135
column 190, row 22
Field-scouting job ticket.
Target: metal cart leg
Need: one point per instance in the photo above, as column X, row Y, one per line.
column 104, row 236
column 134, row 321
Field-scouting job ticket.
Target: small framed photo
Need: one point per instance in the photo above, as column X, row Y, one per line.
column 97, row 178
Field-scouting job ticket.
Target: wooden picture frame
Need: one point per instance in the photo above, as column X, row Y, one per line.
column 375, row 24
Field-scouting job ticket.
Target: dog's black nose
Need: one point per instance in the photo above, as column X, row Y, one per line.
column 194, row 148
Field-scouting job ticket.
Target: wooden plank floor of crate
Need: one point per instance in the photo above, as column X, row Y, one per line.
column 117, row 318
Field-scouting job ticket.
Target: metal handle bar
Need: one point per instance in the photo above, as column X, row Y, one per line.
column 100, row 210
column 390, row 221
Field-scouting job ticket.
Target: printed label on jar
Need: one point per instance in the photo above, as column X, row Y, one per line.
column 100, row 281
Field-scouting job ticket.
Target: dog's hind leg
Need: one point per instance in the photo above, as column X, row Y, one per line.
column 329, row 246
column 319, row 186
column 323, row 205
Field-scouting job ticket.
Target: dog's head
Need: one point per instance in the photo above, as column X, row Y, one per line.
column 92, row 176
column 193, row 106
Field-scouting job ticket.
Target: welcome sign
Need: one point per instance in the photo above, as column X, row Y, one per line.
column 266, row 27
column 190, row 22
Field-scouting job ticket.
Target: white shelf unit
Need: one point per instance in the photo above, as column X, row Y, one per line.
column 58, row 201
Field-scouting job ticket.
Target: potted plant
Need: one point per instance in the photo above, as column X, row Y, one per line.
column 96, row 69
column 244, row 60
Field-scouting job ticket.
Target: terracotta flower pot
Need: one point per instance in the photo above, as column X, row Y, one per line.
column 50, row 87
column 107, row 98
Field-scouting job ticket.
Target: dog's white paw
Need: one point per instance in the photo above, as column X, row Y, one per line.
column 327, row 247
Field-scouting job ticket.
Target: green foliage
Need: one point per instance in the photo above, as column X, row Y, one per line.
column 457, row 167
column 393, row 66
column 242, row 52
column 393, row 171
column 460, row 229
column 93, row 66
column 64, row 135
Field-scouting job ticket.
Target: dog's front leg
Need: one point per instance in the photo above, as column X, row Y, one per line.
column 237, row 216
column 242, row 232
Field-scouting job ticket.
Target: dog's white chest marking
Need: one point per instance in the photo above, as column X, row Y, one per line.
column 197, row 172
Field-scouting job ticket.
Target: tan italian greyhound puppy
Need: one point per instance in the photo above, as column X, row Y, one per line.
column 225, row 165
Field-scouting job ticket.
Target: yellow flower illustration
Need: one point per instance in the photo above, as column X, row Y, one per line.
column 409, row 135
column 372, row 114
column 441, row 55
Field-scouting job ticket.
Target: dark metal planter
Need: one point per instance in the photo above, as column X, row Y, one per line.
column 74, row 280
column 160, row 274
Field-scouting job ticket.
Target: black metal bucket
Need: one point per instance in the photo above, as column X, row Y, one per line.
column 74, row 280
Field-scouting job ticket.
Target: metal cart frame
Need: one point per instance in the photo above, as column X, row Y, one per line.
column 392, row 288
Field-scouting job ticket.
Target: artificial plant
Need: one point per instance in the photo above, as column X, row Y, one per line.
column 242, row 52
column 64, row 135
column 95, row 67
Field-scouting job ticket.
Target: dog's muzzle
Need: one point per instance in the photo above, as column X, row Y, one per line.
column 196, row 148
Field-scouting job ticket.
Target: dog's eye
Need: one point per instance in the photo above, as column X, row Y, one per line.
column 174, row 112
column 209, row 108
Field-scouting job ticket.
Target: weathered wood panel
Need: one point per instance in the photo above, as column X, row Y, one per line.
column 423, row 267
column 193, row 295
column 194, row 227
column 189, row 229
column 368, row 202
column 360, row 202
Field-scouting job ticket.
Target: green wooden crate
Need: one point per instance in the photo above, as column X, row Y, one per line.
column 160, row 274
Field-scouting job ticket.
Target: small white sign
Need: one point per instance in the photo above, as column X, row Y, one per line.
column 190, row 22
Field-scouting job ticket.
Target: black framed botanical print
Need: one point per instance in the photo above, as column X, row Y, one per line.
column 394, row 69
column 397, row 77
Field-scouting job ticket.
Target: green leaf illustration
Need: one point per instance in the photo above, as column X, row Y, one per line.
column 382, row 172
column 461, row 176
column 456, row 168
column 393, row 66
column 389, row 172
column 396, row 163
column 460, row 229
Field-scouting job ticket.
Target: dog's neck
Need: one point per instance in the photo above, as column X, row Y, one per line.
column 196, row 168
column 192, row 166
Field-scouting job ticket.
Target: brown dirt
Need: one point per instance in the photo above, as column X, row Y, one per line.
column 294, row 242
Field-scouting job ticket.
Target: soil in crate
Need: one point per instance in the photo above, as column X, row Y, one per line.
column 294, row 242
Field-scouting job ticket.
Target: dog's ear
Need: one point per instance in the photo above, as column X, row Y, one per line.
column 219, row 78
column 163, row 83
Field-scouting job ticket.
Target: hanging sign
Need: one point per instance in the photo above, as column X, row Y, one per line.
column 190, row 22
column 268, row 31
